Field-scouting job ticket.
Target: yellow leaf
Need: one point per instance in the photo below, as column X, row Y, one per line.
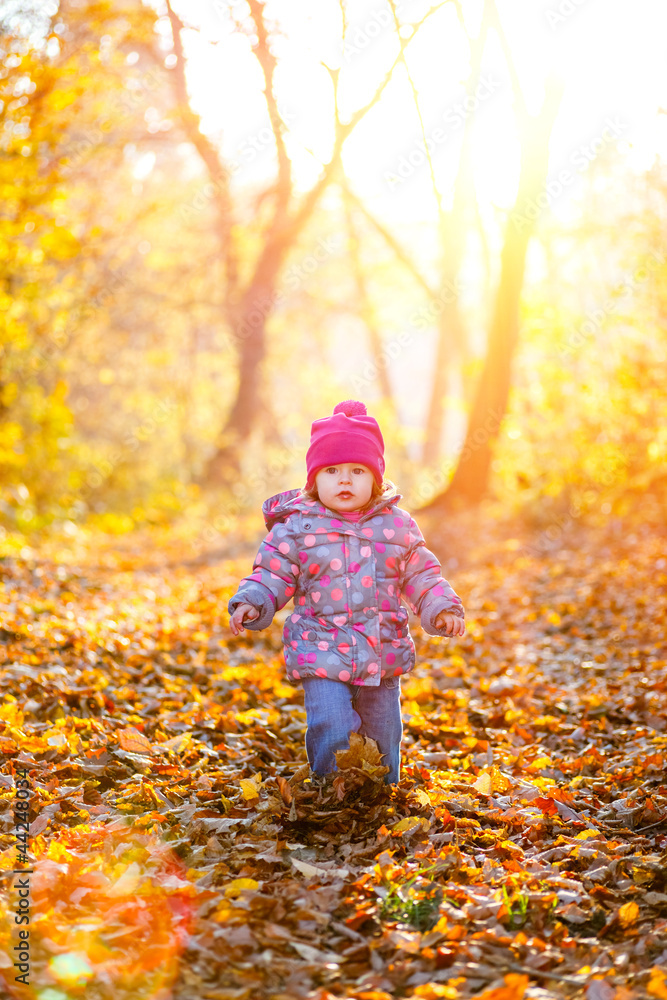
column 71, row 969
column 492, row 780
column 509, row 845
column 539, row 763
column 410, row 823
column 236, row 887
column 127, row 883
column 250, row 787
column 223, row 912
column 628, row 914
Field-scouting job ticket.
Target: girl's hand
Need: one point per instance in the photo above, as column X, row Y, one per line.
column 452, row 624
column 243, row 613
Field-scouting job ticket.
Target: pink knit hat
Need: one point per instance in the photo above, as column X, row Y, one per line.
column 350, row 435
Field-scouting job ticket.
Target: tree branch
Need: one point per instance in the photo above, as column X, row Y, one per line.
column 209, row 154
column 415, row 97
column 344, row 129
column 521, row 109
column 400, row 252
column 267, row 62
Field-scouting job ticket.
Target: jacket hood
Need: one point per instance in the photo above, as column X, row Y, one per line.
column 281, row 505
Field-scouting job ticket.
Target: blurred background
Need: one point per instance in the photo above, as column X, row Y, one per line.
column 219, row 218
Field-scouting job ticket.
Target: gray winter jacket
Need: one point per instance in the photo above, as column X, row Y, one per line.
column 347, row 579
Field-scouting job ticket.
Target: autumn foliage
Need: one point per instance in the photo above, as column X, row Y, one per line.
column 181, row 845
column 174, row 312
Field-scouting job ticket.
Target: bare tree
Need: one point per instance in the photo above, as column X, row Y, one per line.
column 471, row 476
column 492, row 393
column 452, row 339
column 249, row 304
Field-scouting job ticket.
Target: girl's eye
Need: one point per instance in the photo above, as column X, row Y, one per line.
column 333, row 468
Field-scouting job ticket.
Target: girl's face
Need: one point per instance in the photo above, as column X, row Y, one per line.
column 344, row 487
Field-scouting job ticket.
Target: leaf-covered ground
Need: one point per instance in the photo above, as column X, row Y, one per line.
column 181, row 850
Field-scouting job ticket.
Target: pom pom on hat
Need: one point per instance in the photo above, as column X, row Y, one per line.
column 350, row 434
column 351, row 408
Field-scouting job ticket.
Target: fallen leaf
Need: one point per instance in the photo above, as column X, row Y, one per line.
column 628, row 914
column 250, row 787
column 657, row 986
column 239, row 885
column 133, row 741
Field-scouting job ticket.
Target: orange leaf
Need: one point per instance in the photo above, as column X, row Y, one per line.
column 285, row 790
column 656, row 984
column 514, row 989
column 548, row 806
column 133, row 741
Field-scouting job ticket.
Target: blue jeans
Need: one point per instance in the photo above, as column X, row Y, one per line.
column 335, row 709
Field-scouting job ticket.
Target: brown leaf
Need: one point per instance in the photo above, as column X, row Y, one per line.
column 285, row 790
column 600, row 989
column 362, row 750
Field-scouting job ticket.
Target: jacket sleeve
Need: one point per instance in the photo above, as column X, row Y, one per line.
column 424, row 587
column 273, row 580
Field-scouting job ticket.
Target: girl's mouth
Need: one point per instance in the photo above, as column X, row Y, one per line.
column 345, row 494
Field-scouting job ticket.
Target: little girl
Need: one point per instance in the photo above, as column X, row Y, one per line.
column 346, row 553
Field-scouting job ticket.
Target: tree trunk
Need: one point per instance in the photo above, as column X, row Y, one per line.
column 471, row 477
column 365, row 306
column 283, row 231
column 247, row 310
column 452, row 346
column 223, row 467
